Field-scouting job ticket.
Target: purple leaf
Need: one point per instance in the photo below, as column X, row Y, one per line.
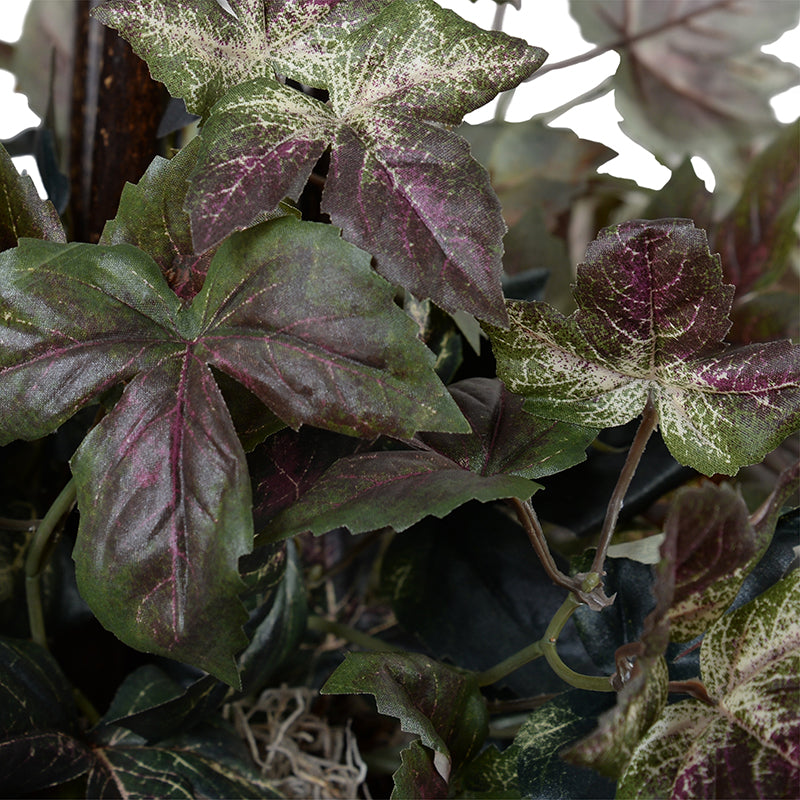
column 417, row 778
column 400, row 184
column 652, row 311
column 164, row 497
column 22, row 212
column 506, row 449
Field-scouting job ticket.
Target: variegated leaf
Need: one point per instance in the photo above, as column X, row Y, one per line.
column 199, row 50
column 400, row 184
column 744, row 742
column 652, row 313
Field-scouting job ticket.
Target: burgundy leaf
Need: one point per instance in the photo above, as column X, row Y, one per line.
column 164, row 497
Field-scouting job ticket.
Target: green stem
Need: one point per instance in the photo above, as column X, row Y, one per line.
column 38, row 553
column 511, row 664
column 598, row 91
column 648, row 424
column 594, row 683
column 322, row 625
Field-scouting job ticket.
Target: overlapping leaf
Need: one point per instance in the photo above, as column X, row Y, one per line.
column 744, row 743
column 200, row 51
column 505, row 451
column 400, row 184
column 652, row 314
column 701, row 86
column 302, row 321
column 22, row 212
column 440, row 704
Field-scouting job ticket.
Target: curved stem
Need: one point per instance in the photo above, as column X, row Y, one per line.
column 510, row 664
column 594, row 683
column 38, row 553
column 647, row 425
column 323, row 625
column 602, row 88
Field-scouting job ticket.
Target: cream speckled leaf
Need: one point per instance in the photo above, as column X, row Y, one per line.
column 652, row 311
column 401, row 185
column 200, row 51
column 747, row 742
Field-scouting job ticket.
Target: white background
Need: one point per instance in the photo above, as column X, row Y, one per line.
column 545, row 23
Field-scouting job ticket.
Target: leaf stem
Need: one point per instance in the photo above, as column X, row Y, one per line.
column 626, row 41
column 593, row 683
column 323, row 625
column 648, row 424
column 38, row 552
column 546, row 646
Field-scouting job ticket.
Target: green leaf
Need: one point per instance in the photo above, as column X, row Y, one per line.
column 608, row 749
column 22, row 212
column 199, row 51
column 397, row 488
column 162, row 481
column 38, row 721
column 397, row 175
column 440, row 704
column 701, row 86
column 491, row 776
column 547, row 731
column 417, row 777
column 750, row 663
column 652, row 313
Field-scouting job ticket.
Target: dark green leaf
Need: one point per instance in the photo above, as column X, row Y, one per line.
column 22, row 212
column 546, row 732
column 471, row 588
column 491, row 776
column 417, row 778
column 440, row 704
column 652, row 314
column 397, row 488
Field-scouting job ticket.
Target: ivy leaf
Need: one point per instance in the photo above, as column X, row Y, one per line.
column 163, row 475
column 400, row 184
column 750, row 662
column 715, row 548
column 652, row 310
column 417, row 778
column 441, row 704
column 199, row 51
column 22, row 212
column 397, row 488
column 701, row 86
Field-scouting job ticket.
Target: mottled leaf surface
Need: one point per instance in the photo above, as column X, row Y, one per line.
column 506, row 449
column 440, row 704
column 715, row 544
column 302, row 321
column 400, row 184
column 200, row 51
column 417, row 778
column 745, row 743
column 652, row 311
column 22, row 212
column 701, row 86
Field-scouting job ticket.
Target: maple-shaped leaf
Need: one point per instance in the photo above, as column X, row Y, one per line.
column 400, row 184
column 200, row 51
column 439, row 703
column 700, row 85
column 22, row 212
column 162, row 482
column 506, row 449
column 743, row 741
column 652, row 311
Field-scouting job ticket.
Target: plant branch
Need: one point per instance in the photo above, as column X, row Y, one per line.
column 593, row 683
column 323, row 625
column 499, row 15
column 627, row 41
column 38, row 553
column 647, row 425
column 598, row 91
column 510, row 664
